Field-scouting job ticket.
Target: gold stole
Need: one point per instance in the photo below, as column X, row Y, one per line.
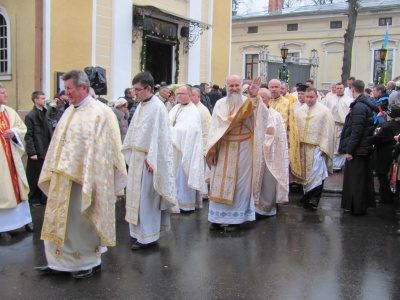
column 228, row 149
column 6, row 143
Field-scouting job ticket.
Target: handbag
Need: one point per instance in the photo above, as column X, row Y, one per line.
column 393, row 176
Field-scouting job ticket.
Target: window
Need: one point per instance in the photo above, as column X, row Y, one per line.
column 5, row 64
column 292, row 27
column 384, row 21
column 252, row 29
column 336, row 24
column 388, row 65
column 251, row 66
column 3, row 45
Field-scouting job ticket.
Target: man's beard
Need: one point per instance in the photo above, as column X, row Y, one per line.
column 234, row 98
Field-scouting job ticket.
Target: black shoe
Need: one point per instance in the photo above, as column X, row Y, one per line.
column 30, row 227
column 186, row 211
column 36, row 204
column 139, row 246
column 215, row 226
column 398, row 232
column 85, row 273
column 45, row 270
column 5, row 235
column 232, row 227
column 347, row 211
column 397, row 212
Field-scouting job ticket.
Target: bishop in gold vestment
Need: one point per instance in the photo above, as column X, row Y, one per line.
column 229, row 154
column 83, row 171
column 316, row 128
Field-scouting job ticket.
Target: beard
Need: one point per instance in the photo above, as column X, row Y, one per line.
column 234, row 98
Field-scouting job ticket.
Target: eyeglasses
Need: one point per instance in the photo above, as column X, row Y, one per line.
column 138, row 90
column 178, row 94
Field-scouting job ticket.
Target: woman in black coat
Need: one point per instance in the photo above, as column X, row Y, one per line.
column 384, row 142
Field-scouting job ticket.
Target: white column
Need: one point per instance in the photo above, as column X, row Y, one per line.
column 46, row 48
column 194, row 58
column 121, row 49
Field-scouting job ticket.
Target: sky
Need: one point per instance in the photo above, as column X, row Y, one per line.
column 255, row 6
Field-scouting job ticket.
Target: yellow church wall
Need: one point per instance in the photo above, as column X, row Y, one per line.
column 221, row 43
column 70, row 37
column 315, row 33
column 21, row 15
column 103, row 44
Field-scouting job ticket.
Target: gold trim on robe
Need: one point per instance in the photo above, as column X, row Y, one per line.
column 316, row 127
column 7, row 195
column 86, row 149
column 227, row 131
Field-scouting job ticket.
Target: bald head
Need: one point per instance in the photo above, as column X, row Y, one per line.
column 274, row 86
column 265, row 95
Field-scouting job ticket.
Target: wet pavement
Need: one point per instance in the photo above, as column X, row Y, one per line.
column 298, row 254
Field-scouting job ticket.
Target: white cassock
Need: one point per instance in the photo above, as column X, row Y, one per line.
column 150, row 197
column 339, row 107
column 271, row 165
column 186, row 130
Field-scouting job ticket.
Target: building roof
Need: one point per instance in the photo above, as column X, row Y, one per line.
column 365, row 5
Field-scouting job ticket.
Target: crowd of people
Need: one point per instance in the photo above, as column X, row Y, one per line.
column 165, row 149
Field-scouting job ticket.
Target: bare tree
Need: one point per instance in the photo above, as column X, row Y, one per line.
column 289, row 3
column 235, row 5
column 348, row 39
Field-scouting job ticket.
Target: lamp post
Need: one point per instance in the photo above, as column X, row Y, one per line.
column 382, row 56
column 284, row 72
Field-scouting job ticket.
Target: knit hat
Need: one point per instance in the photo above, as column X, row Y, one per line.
column 120, row 102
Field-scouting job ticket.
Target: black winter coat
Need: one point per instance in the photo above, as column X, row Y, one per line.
column 39, row 132
column 358, row 128
column 384, row 142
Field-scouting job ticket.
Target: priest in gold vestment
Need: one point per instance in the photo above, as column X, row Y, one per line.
column 14, row 207
column 151, row 193
column 83, row 171
column 316, row 127
column 339, row 105
column 229, row 154
column 282, row 105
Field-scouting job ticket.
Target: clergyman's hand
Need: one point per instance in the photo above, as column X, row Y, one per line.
column 148, row 168
column 8, row 134
column 212, row 159
column 254, row 87
column 349, row 157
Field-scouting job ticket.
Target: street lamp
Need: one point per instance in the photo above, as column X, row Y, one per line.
column 283, row 73
column 284, row 52
column 382, row 56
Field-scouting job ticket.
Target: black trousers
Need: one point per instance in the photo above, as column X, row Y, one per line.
column 33, row 169
column 384, row 188
column 313, row 196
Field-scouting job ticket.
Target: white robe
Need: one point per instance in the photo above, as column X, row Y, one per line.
column 186, row 129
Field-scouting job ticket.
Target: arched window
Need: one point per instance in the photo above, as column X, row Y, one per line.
column 5, row 65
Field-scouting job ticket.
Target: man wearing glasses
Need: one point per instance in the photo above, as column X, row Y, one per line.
column 150, row 192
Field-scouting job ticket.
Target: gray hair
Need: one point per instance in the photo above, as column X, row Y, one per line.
column 285, row 84
column 78, row 76
column 2, row 86
column 394, row 97
column 197, row 90
column 226, row 79
column 268, row 92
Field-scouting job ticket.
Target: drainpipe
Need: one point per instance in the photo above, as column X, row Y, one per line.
column 38, row 44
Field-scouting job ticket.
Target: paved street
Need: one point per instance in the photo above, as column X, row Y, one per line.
column 298, row 254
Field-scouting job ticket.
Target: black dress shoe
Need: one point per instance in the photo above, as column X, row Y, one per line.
column 139, row 246
column 86, row 273
column 232, row 227
column 5, row 235
column 30, row 227
column 215, row 226
column 45, row 270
